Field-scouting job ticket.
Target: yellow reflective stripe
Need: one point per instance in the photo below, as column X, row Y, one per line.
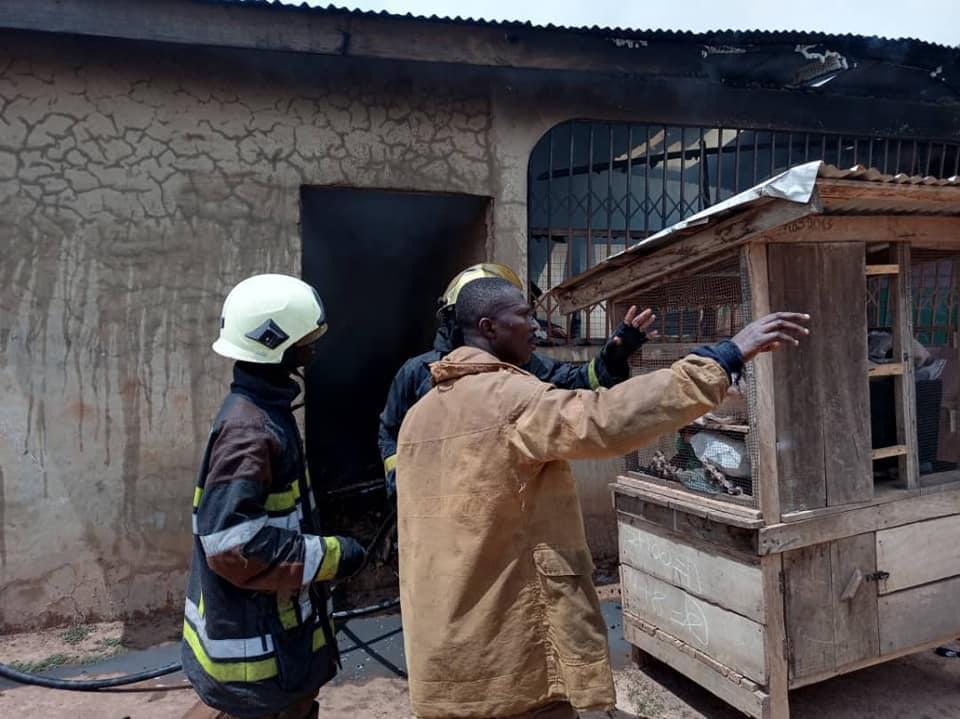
column 319, row 639
column 390, row 463
column 278, row 501
column 197, row 493
column 287, row 612
column 200, row 608
column 331, row 560
column 592, row 374
column 231, row 671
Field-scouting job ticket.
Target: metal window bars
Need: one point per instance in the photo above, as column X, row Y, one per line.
column 596, row 188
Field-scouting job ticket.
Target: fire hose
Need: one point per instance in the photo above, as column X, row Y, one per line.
column 115, row 684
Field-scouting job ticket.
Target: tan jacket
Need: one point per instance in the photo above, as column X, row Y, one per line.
column 499, row 610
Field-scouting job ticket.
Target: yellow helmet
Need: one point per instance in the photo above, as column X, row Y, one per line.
column 266, row 314
column 476, row 272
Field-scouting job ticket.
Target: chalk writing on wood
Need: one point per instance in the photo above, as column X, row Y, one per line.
column 712, row 577
column 723, row 635
column 682, row 571
column 678, row 609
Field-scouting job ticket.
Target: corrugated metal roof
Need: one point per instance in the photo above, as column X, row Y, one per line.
column 871, row 174
column 712, row 36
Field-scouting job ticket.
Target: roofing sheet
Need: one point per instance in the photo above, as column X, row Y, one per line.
column 728, row 35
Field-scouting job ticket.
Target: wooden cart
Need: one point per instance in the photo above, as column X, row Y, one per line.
column 841, row 545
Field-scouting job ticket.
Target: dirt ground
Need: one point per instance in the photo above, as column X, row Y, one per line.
column 923, row 686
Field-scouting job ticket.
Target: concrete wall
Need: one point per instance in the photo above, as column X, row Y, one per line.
column 137, row 185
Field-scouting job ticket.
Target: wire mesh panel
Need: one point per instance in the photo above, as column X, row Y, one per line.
column 935, row 309
column 596, row 188
column 711, row 455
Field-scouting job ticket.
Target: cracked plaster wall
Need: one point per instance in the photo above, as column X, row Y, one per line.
column 137, row 184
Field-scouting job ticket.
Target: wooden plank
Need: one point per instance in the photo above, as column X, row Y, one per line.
column 885, row 370
column 737, row 514
column 807, row 514
column 794, row 277
column 791, row 535
column 728, row 583
column 808, row 586
column 932, row 232
column 729, row 638
column 918, row 615
column 775, row 636
column 897, row 450
column 872, row 270
column 854, row 616
column 759, row 377
column 840, row 195
column 919, row 553
column 868, row 662
column 737, row 540
column 842, row 385
column 740, row 501
column 904, row 385
column 631, row 272
column 674, row 653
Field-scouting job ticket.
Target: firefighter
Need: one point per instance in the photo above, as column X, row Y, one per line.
column 500, row 615
column 257, row 641
column 413, row 381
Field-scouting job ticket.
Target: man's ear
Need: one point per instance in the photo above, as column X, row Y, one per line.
column 485, row 325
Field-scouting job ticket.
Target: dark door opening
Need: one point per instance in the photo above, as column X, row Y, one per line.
column 379, row 261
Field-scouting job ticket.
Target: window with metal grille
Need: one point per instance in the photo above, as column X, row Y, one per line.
column 595, row 188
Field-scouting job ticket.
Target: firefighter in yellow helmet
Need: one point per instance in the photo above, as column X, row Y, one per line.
column 412, row 381
column 257, row 641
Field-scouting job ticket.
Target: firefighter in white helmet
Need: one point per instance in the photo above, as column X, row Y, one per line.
column 257, row 641
column 412, row 381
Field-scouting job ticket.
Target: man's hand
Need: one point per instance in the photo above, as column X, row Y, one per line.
column 640, row 321
column 771, row 332
column 627, row 339
column 351, row 557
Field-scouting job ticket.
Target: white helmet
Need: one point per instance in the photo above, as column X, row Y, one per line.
column 266, row 314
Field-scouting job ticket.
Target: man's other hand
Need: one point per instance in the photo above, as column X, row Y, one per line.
column 640, row 321
column 770, row 333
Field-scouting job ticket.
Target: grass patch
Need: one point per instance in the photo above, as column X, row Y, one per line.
column 645, row 702
column 41, row 665
column 111, row 642
column 77, row 633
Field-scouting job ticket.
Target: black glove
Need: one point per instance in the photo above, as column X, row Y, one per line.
column 615, row 354
column 352, row 554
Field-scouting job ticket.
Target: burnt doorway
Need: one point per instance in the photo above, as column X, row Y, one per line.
column 379, row 260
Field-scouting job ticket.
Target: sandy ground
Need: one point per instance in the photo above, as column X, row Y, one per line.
column 923, row 686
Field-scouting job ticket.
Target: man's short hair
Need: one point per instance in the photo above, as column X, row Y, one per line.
column 483, row 298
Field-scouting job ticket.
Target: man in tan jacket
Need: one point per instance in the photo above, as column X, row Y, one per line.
column 500, row 615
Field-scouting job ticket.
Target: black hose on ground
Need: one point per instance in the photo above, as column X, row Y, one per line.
column 112, row 684
column 95, row 685
column 86, row 685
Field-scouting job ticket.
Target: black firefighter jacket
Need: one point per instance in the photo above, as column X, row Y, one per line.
column 256, row 635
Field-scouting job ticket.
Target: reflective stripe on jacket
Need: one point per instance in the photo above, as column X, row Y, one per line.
column 256, row 636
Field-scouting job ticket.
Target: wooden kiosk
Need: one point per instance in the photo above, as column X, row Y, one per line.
column 831, row 540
